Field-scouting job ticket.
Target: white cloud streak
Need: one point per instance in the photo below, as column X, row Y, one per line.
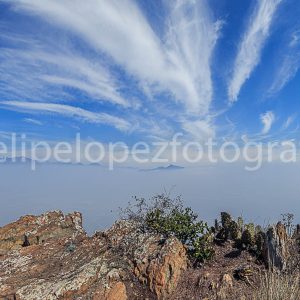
column 200, row 129
column 68, row 111
column 33, row 121
column 177, row 61
column 190, row 41
column 288, row 122
column 288, row 66
column 251, row 46
column 42, row 69
column 267, row 120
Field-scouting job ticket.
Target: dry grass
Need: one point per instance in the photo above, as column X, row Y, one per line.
column 275, row 286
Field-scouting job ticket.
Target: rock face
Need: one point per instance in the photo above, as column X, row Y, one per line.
column 297, row 231
column 276, row 247
column 32, row 230
column 156, row 263
column 162, row 273
column 51, row 257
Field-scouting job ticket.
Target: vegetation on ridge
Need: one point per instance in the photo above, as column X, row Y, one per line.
column 274, row 249
column 168, row 217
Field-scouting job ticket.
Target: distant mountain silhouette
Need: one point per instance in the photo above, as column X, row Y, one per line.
column 167, row 168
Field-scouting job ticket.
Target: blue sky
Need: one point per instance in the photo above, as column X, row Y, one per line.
column 144, row 70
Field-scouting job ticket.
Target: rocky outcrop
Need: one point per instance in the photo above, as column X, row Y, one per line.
column 296, row 234
column 51, row 257
column 276, row 247
column 157, row 263
column 35, row 230
column 64, row 263
column 117, row 292
column 162, row 273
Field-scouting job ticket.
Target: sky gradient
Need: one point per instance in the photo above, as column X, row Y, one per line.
column 144, row 70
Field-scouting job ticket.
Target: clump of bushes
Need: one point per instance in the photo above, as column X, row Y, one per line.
column 168, row 217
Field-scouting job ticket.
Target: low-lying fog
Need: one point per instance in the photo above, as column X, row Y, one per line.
column 259, row 196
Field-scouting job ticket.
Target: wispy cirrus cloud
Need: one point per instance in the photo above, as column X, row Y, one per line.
column 32, row 73
column 68, row 111
column 191, row 37
column 289, row 121
column 251, row 46
column 267, row 120
column 177, row 60
column 33, row 121
column 289, row 65
column 200, row 129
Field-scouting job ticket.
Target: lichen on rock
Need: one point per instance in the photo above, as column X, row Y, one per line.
column 99, row 267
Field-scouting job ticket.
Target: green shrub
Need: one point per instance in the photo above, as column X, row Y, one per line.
column 234, row 231
column 203, row 248
column 240, row 223
column 247, row 239
column 169, row 217
column 226, row 222
column 225, row 219
column 259, row 243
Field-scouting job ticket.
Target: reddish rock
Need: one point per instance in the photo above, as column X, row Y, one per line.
column 117, row 292
column 35, row 230
column 163, row 272
column 70, row 265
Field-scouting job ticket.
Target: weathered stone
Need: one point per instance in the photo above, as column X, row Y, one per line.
column 117, row 292
column 296, row 233
column 157, row 263
column 70, row 265
column 163, row 272
column 35, row 230
column 276, row 247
